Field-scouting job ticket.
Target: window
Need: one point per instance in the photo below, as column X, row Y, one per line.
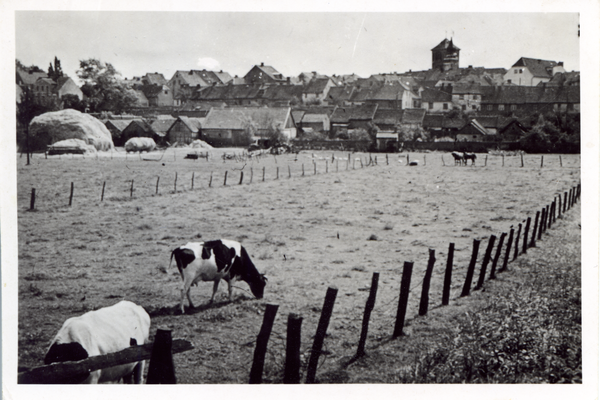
column 490, row 107
column 520, row 70
column 474, row 97
column 513, row 107
column 500, row 107
column 461, row 96
column 445, row 106
column 509, row 81
column 516, row 71
column 474, row 107
column 430, row 105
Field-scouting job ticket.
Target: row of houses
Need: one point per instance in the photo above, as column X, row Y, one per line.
column 240, row 125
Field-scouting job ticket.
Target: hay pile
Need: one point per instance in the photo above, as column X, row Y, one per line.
column 52, row 127
column 76, row 146
column 200, row 144
column 140, row 144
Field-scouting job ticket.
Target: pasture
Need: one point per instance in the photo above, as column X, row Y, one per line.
column 305, row 232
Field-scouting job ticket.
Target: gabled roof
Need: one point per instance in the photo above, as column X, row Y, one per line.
column 282, row 92
column 387, row 92
column 466, row 88
column 343, row 115
column 315, row 118
column 238, row 118
column 119, row 124
column 387, row 117
column 539, row 68
column 316, row 85
column 270, row 71
column 29, row 78
column 435, row 96
column 193, row 124
column 139, row 123
column 530, row 94
column 191, row 78
column 154, row 79
column 440, row 121
column 340, row 93
column 223, row 76
column 162, row 125
column 413, row 116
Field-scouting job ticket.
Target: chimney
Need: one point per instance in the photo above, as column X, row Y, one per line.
column 262, row 64
column 288, row 79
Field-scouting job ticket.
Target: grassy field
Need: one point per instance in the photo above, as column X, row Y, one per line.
column 306, row 232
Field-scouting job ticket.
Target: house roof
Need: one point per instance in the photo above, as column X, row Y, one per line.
column 343, row 115
column 191, row 78
column 466, row 88
column 387, row 117
column 340, row 93
column 537, row 67
column 530, row 94
column 162, row 125
column 413, row 116
column 138, row 123
column 315, row 118
column 193, row 124
column 477, row 126
column 154, row 79
column 29, row 78
column 435, row 96
column 316, row 85
column 238, row 118
column 119, row 124
column 440, row 121
column 298, row 115
column 223, row 76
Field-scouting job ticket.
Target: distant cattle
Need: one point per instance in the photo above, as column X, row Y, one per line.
column 213, row 261
column 101, row 332
column 469, row 156
column 458, row 158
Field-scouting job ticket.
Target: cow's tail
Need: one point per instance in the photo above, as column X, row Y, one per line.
column 171, row 260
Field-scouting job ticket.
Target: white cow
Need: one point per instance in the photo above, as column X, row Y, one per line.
column 101, row 332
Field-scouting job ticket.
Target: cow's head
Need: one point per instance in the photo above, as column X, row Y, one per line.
column 257, row 286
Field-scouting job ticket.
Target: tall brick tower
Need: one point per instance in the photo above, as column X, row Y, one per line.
column 445, row 56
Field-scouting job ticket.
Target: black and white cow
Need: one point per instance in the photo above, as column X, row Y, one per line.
column 100, row 332
column 458, row 158
column 215, row 260
column 469, row 156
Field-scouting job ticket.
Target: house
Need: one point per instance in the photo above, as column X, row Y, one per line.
column 512, row 132
column 387, row 120
column 524, row 100
column 316, row 122
column 441, row 127
column 141, row 99
column 26, row 79
column 183, row 84
column 235, row 126
column 305, row 77
column 467, row 96
column 392, row 96
column 473, row 131
column 154, row 79
column 436, row 101
column 184, row 130
column 158, row 95
column 349, row 118
column 387, row 141
column 412, row 118
column 46, row 88
column 161, row 126
column 317, row 90
column 339, row 95
column 263, row 74
column 532, row 71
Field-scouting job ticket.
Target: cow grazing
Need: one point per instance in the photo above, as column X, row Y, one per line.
column 101, row 332
column 458, row 158
column 469, row 156
column 215, row 260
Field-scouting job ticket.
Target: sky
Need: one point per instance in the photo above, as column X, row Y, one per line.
column 364, row 43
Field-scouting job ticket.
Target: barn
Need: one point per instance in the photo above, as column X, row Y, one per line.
column 185, row 130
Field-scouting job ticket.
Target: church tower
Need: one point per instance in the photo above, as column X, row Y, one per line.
column 445, row 56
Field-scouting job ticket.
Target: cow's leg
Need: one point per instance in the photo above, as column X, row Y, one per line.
column 215, row 287
column 185, row 291
column 138, row 372
column 230, row 288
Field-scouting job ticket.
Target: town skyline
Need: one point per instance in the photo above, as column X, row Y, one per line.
column 292, row 43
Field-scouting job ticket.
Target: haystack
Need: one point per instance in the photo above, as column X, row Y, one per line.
column 140, row 144
column 200, row 144
column 75, row 146
column 53, row 127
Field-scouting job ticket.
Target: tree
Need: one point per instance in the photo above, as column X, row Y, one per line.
column 27, row 109
column 104, row 89
column 32, row 68
column 55, row 72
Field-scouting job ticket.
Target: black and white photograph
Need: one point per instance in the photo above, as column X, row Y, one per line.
column 248, row 196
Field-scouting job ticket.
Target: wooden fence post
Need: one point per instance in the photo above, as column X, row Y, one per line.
column 263, row 179
column 175, row 184
column 241, row 177
column 485, row 163
column 443, row 163
column 486, row 260
column 448, row 276
column 210, row 180
column 559, row 205
column 302, row 169
column 291, row 372
column 550, row 215
column 326, row 166
column 32, row 200
column 522, row 164
column 497, row 256
column 565, row 203
column 526, row 235
column 535, row 228
column 541, row 227
column 311, row 370
column 517, row 242
column 71, row 195
column 261, row 343
column 161, row 369
column 367, row 315
column 542, row 164
column 251, row 174
column 277, row 176
column 193, row 173
column 503, row 160
column 424, row 304
column 157, row 180
column 315, row 167
column 560, row 158
column 289, row 172
column 471, row 271
column 507, row 254
column 403, row 301
column 225, row 179
column 387, row 161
